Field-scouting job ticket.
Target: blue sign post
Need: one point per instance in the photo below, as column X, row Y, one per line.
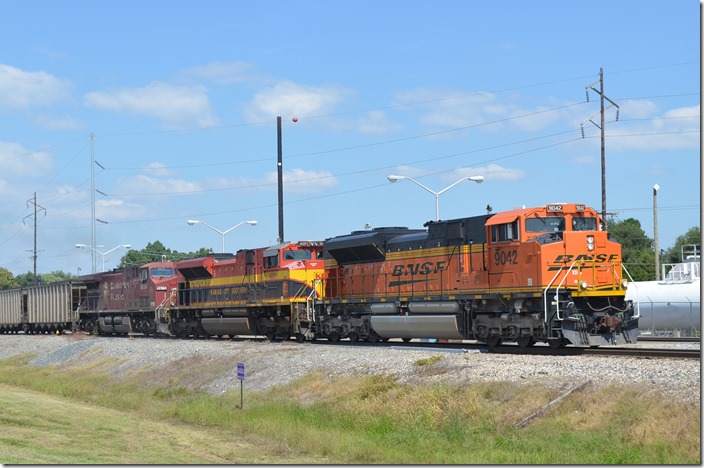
column 240, row 377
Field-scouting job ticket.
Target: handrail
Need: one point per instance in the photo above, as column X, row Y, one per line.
column 557, row 291
column 545, row 292
column 161, row 306
column 310, row 299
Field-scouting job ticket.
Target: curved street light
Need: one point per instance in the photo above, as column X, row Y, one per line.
column 191, row 222
column 103, row 254
column 394, row 178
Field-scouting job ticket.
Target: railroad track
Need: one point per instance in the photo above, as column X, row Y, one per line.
column 622, row 351
column 670, row 339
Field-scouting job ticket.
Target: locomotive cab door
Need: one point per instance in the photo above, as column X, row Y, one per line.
column 503, row 255
column 512, row 262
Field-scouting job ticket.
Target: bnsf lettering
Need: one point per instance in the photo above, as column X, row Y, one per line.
column 599, row 258
column 425, row 268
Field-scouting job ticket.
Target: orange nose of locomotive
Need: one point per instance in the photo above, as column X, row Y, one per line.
column 591, row 263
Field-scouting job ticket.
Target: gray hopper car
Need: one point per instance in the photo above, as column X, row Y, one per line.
column 41, row 309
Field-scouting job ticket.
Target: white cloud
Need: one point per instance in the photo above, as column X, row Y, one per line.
column 291, row 99
column 176, row 106
column 143, row 184
column 409, row 171
column 227, row 72
column 450, row 108
column 371, row 123
column 55, row 122
column 114, row 209
column 19, row 161
column 458, row 109
column 158, row 169
column 492, row 172
column 675, row 129
column 295, row 180
column 637, row 109
column 21, row 89
column 304, row 181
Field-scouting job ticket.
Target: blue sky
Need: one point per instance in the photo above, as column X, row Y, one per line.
column 182, row 99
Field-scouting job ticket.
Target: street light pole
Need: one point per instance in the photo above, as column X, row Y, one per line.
column 103, row 254
column 478, row 179
column 191, row 222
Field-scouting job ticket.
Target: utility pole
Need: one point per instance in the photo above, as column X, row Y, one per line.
column 279, row 166
column 33, row 201
column 603, row 97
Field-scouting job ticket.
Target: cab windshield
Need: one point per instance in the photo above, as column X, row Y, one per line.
column 548, row 224
column 296, row 255
column 584, row 224
column 161, row 272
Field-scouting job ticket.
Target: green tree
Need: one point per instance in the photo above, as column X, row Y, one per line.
column 25, row 279
column 55, row 277
column 7, row 280
column 157, row 252
column 636, row 247
column 674, row 253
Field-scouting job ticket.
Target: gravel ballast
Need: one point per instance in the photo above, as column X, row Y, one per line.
column 270, row 364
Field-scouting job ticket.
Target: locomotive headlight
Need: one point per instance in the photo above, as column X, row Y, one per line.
column 583, row 285
column 624, row 284
column 590, row 243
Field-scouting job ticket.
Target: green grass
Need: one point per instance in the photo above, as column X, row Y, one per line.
column 82, row 415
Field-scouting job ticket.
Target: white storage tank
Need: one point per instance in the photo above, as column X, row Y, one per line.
column 670, row 306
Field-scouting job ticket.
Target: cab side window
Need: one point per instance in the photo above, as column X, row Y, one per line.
column 271, row 261
column 504, row 232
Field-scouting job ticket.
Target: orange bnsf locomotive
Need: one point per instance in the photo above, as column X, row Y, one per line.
column 546, row 274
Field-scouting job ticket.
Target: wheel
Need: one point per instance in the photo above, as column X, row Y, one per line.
column 406, row 340
column 556, row 343
column 300, row 337
column 525, row 341
column 270, row 336
column 334, row 337
column 353, row 337
column 493, row 341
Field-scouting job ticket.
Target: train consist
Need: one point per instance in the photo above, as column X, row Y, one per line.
column 543, row 274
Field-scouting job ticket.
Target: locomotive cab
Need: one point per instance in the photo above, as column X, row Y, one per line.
column 559, row 250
